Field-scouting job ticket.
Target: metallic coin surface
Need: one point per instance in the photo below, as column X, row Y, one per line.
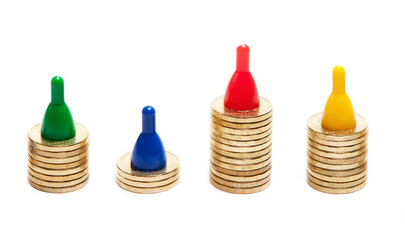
column 240, row 149
column 239, row 190
column 243, row 132
column 58, row 160
column 58, row 154
column 240, row 173
column 240, row 184
column 237, row 143
column 234, row 137
column 146, row 190
column 356, row 141
column 148, row 184
column 336, row 190
column 58, row 172
column 224, row 123
column 220, row 111
column 336, row 166
column 80, row 140
column 58, row 178
column 314, row 125
column 124, row 165
column 337, row 179
column 240, row 161
column 57, row 184
column 58, row 166
column 58, row 190
column 338, row 173
column 241, row 155
column 337, row 160
column 337, row 155
column 241, row 179
column 234, row 167
column 337, row 149
column 335, row 185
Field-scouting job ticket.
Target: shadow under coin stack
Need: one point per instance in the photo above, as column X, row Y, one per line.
column 241, row 126
column 337, row 144
column 148, row 168
column 58, row 149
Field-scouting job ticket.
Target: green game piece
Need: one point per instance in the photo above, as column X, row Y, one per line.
column 58, row 122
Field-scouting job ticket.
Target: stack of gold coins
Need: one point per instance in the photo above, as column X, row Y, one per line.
column 337, row 160
column 148, row 182
column 58, row 166
column 241, row 147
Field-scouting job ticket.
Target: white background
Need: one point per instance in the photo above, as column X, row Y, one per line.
column 118, row 56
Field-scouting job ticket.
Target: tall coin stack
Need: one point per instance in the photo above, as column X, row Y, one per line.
column 241, row 147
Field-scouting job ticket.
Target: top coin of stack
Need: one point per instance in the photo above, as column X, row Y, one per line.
column 241, row 126
column 337, row 144
column 58, row 149
column 149, row 168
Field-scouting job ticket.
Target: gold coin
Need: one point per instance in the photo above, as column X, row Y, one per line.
column 239, row 184
column 336, row 167
column 261, row 113
column 338, row 143
column 240, row 161
column 58, row 190
column 241, row 143
column 80, row 140
column 148, row 184
column 336, row 190
column 241, row 125
column 337, row 179
column 241, row 155
column 58, row 160
column 335, row 185
column 241, row 137
column 171, row 169
column 337, row 149
column 241, row 173
column 147, row 190
column 239, row 190
column 234, row 167
column 337, row 155
column 58, row 166
column 240, row 149
column 58, row 154
column 339, row 173
column 58, row 172
column 241, row 179
column 243, row 132
column 314, row 125
column 58, row 178
column 57, row 184
column 337, row 161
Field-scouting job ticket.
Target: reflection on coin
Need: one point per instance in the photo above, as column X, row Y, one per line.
column 240, row 161
column 240, row 137
column 239, row 184
column 239, row 190
column 337, row 161
column 336, row 167
column 233, row 167
column 336, row 190
column 58, row 160
column 241, row 173
column 237, row 143
column 224, row 123
column 263, row 112
column 58, row 172
column 58, row 166
column 337, row 155
column 80, row 140
column 315, row 126
column 124, row 165
column 58, row 178
column 337, row 143
column 334, row 173
column 57, row 184
column 58, row 154
column 240, row 149
column 337, row 179
column 148, row 184
column 337, row 149
column 243, row 132
column 146, row 190
column 241, row 179
column 58, row 190
column 334, row 184
column 241, row 155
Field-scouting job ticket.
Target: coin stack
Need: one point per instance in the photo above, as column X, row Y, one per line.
column 58, row 166
column 241, row 147
column 337, row 160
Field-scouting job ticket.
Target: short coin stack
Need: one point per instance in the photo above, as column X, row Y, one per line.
column 337, row 160
column 147, row 182
column 58, row 166
column 241, row 147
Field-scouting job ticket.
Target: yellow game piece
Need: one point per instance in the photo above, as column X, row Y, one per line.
column 338, row 114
